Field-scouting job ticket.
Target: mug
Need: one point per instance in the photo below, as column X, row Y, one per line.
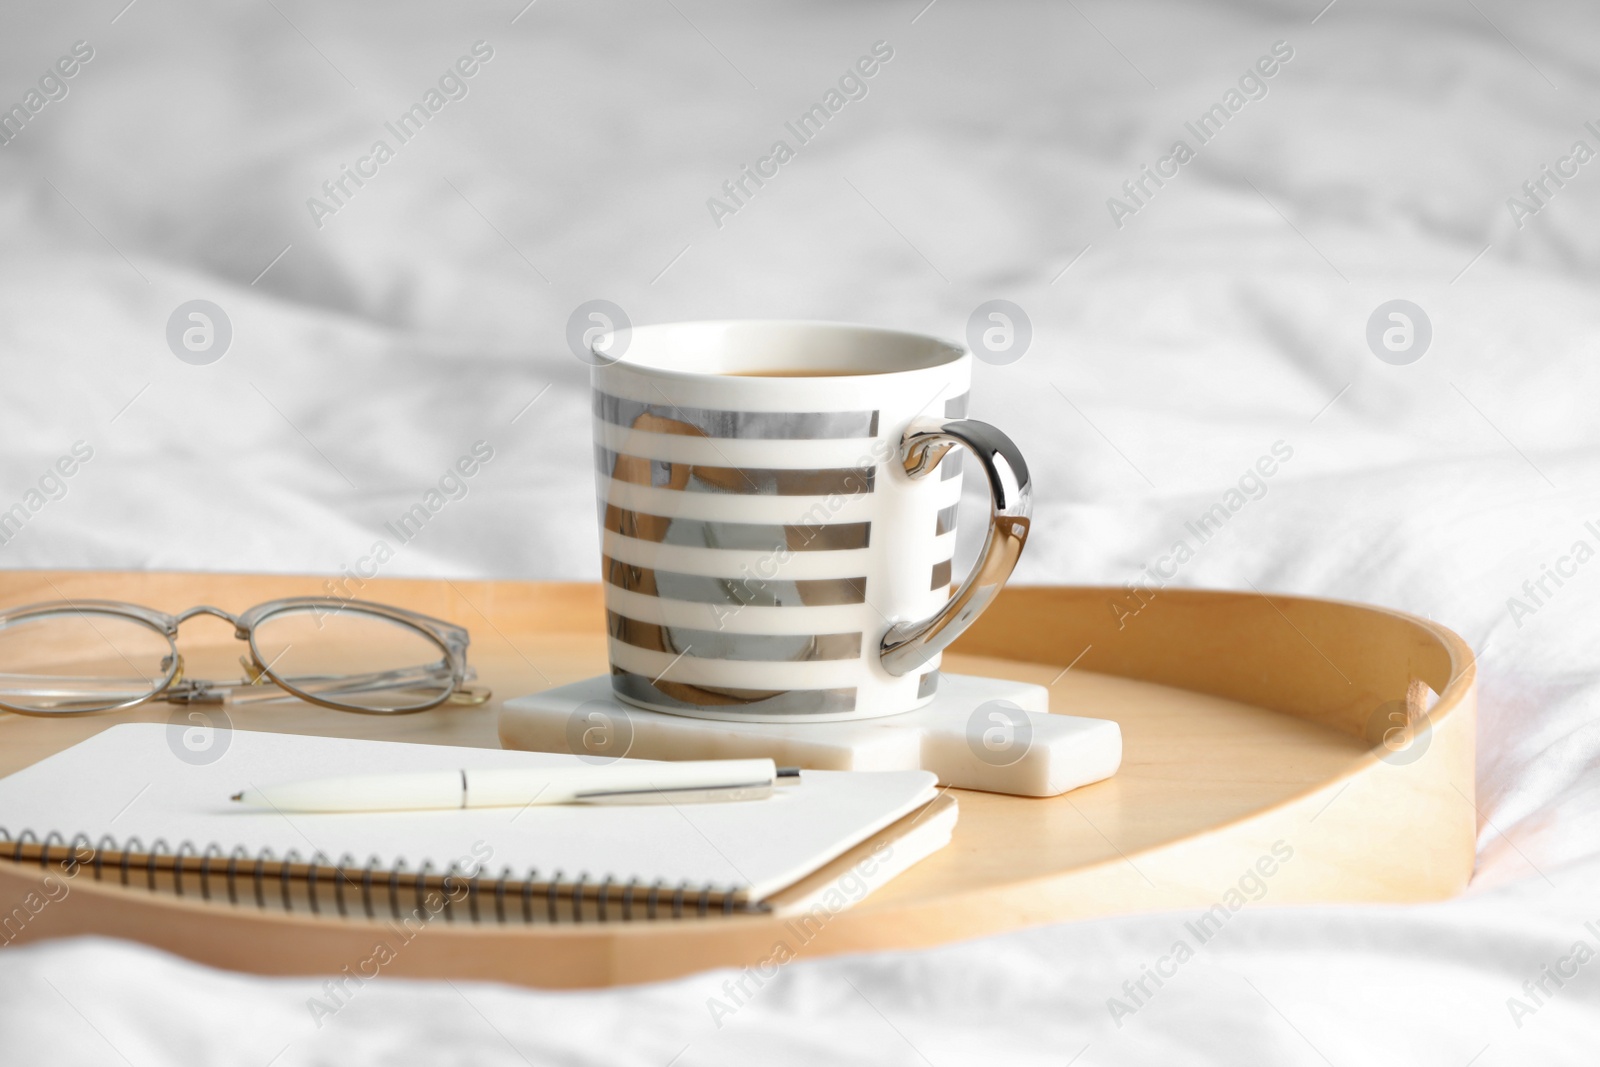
column 778, row 512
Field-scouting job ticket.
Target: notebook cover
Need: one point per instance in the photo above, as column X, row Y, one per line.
column 133, row 784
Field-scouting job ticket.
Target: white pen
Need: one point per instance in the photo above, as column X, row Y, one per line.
column 633, row 782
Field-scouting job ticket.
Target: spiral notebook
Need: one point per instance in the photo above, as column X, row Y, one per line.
column 136, row 805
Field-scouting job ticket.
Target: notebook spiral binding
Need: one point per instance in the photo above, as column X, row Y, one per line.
column 303, row 885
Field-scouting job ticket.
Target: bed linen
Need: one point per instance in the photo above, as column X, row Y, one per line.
column 1175, row 341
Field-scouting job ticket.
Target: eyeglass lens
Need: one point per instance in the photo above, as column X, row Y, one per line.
column 354, row 658
column 76, row 661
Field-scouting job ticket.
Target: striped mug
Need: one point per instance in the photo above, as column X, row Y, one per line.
column 777, row 509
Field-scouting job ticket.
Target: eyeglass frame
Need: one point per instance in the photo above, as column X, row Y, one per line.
column 451, row 639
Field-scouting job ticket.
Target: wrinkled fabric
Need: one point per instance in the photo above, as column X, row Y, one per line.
column 1175, row 342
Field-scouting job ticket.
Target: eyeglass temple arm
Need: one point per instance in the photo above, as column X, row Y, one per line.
column 259, row 686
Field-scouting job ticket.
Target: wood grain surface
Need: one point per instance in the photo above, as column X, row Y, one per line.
column 1253, row 725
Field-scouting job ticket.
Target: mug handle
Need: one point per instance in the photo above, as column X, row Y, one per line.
column 909, row 645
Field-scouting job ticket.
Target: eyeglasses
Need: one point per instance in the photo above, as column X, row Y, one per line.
column 85, row 656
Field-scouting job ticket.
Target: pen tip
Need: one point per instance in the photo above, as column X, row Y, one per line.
column 237, row 796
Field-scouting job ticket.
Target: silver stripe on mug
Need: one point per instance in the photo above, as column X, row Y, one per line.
column 928, row 684
column 946, row 521
column 941, row 575
column 758, row 481
column 956, row 406
column 797, row 702
column 748, row 591
column 951, row 467
column 739, row 536
column 718, row 645
column 711, row 422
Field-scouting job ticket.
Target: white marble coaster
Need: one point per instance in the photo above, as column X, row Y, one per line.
column 978, row 733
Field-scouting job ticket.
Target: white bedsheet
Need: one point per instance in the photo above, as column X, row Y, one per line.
column 1227, row 314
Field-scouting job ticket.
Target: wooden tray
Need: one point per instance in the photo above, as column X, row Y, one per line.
column 1248, row 721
